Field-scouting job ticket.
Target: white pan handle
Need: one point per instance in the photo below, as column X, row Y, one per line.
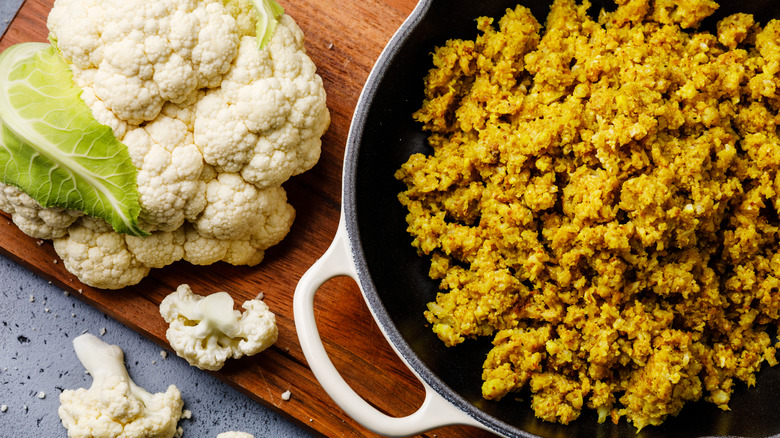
column 434, row 412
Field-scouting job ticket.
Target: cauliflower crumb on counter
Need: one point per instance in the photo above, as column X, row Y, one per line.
column 234, row 434
column 602, row 202
column 213, row 125
column 206, row 330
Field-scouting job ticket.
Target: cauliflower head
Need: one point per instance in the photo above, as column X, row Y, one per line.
column 114, row 405
column 207, row 331
column 213, row 124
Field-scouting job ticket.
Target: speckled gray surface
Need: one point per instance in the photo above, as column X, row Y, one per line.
column 8, row 9
column 38, row 322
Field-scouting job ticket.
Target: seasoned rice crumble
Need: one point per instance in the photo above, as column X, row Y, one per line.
column 602, row 201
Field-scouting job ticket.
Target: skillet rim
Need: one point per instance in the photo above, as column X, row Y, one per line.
column 349, row 207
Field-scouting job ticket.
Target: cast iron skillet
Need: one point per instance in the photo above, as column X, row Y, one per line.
column 372, row 245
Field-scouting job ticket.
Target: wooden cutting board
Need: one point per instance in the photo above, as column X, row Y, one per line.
column 344, row 38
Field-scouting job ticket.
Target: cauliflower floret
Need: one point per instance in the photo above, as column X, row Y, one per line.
column 206, row 331
column 201, row 250
column 235, row 209
column 33, row 219
column 246, row 22
column 275, row 220
column 98, row 255
column 169, row 170
column 159, row 249
column 136, row 54
column 239, row 223
column 266, row 119
column 232, row 208
column 114, row 406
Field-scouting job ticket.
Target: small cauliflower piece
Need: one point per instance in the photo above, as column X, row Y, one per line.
column 114, row 406
column 206, row 331
column 234, row 434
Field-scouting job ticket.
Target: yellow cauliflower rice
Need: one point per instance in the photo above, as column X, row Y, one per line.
column 602, row 201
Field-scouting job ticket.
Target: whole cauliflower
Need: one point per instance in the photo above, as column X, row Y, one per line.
column 213, row 124
column 114, row 406
column 207, row 331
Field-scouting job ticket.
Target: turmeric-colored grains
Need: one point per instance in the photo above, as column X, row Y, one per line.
column 603, row 202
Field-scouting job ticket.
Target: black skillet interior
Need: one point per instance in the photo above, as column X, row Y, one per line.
column 394, row 279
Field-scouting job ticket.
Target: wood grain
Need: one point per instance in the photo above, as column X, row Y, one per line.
column 344, row 39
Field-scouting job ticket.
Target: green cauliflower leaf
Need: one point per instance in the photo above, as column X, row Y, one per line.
column 51, row 146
